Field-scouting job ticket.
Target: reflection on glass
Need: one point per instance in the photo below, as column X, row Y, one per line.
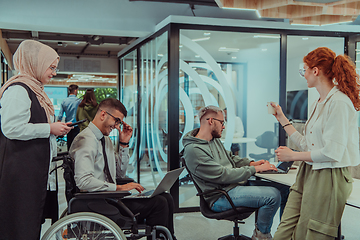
column 129, row 98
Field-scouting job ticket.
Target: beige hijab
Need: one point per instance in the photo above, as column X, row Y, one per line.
column 32, row 59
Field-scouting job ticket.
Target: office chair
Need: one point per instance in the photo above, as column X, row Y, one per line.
column 98, row 215
column 268, row 140
column 236, row 214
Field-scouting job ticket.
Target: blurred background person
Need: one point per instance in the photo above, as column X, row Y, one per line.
column 87, row 109
column 238, row 133
column 69, row 107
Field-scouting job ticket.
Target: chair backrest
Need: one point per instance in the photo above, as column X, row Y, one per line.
column 69, row 173
column 204, row 206
column 267, row 140
column 232, row 214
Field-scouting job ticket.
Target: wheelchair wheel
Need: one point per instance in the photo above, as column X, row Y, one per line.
column 84, row 226
column 64, row 213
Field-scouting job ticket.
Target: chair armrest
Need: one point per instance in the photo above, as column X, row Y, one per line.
column 60, row 156
column 99, row 195
column 121, row 181
column 223, row 192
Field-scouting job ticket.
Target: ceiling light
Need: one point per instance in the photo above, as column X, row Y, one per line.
column 225, row 49
column 241, row 9
column 304, row 24
column 266, row 36
column 201, row 39
column 197, row 56
column 233, row 57
column 207, row 34
column 160, row 55
column 305, row 38
column 76, row 43
column 180, row 46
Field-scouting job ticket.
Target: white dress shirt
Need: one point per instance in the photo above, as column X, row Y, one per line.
column 86, row 150
column 15, row 115
column 331, row 133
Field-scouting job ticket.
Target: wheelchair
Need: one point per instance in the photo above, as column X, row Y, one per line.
column 98, row 215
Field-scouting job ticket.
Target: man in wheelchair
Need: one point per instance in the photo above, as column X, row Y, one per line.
column 96, row 165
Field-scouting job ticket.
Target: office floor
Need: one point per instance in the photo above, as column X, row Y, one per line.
column 193, row 226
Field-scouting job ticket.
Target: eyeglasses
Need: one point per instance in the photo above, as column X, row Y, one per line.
column 54, row 69
column 117, row 120
column 221, row 121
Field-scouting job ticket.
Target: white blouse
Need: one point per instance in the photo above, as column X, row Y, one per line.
column 331, row 133
column 15, row 115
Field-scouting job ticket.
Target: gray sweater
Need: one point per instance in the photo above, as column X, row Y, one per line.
column 213, row 167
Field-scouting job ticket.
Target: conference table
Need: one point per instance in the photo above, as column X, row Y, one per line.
column 289, row 179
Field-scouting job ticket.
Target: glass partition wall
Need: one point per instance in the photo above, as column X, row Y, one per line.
column 235, row 71
column 129, row 97
column 168, row 77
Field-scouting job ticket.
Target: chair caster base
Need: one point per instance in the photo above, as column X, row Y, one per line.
column 232, row 237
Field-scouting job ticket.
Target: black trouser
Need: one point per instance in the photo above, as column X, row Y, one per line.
column 158, row 210
column 71, row 135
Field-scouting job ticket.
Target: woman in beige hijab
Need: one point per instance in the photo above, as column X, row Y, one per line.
column 27, row 141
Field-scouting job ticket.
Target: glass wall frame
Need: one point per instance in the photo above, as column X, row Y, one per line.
column 173, row 34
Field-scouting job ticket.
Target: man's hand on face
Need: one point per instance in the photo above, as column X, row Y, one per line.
column 126, row 132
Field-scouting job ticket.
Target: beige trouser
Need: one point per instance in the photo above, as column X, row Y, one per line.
column 315, row 205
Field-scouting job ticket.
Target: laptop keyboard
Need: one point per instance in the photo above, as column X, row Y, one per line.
column 145, row 194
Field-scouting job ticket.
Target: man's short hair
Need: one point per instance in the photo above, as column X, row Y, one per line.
column 209, row 109
column 112, row 103
column 72, row 88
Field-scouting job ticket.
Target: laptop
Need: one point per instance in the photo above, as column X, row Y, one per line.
column 282, row 168
column 164, row 185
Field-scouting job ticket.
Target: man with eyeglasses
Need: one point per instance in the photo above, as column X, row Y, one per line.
column 97, row 165
column 213, row 167
column 69, row 107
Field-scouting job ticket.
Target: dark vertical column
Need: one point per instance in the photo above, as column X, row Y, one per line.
column 173, row 106
column 2, row 72
column 138, row 56
column 350, row 46
column 120, row 72
column 282, row 87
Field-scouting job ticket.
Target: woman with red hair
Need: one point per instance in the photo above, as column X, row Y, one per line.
column 329, row 144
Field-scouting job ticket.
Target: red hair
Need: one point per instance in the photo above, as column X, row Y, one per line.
column 340, row 68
